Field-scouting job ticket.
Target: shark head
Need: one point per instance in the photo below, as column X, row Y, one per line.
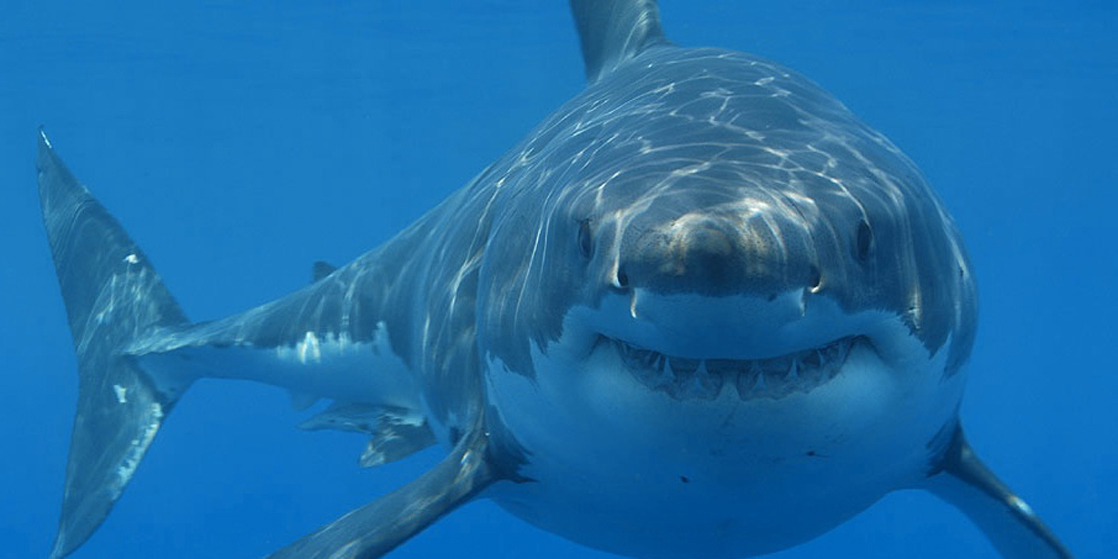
column 717, row 288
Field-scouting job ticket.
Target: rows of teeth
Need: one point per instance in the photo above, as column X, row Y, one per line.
column 754, row 378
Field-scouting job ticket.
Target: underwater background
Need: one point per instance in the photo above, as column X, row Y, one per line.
column 240, row 143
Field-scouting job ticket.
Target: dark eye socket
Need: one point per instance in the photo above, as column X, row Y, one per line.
column 863, row 241
column 585, row 242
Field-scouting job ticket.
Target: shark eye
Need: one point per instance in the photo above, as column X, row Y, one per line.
column 585, row 242
column 863, row 241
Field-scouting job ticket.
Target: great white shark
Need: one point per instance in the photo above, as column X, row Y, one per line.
column 701, row 310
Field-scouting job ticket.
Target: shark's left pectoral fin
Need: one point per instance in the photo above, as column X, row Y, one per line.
column 377, row 528
column 1010, row 524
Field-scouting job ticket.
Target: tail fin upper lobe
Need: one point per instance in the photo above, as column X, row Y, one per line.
column 113, row 296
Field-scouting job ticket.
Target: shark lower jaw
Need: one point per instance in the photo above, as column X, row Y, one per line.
column 772, row 378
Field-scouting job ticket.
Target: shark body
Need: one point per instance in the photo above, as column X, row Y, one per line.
column 702, row 309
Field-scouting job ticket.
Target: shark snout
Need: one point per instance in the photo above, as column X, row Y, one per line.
column 716, row 256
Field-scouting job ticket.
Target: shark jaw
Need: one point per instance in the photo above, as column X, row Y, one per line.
column 777, row 377
column 651, row 435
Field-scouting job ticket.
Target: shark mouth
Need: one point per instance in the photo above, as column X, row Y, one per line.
column 772, row 378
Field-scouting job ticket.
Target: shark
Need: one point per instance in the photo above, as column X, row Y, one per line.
column 701, row 310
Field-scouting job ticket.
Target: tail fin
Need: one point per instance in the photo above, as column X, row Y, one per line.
column 113, row 296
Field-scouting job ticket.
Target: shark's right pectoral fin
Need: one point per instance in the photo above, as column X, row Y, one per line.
column 377, row 528
column 1008, row 522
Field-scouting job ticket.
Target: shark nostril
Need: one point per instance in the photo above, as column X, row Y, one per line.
column 814, row 279
column 622, row 279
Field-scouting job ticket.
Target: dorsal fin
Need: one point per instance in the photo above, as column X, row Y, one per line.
column 321, row 269
column 613, row 31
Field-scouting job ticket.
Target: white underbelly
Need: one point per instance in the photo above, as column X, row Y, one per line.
column 624, row 469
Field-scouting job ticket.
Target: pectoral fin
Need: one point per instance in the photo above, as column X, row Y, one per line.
column 1008, row 522
column 377, row 528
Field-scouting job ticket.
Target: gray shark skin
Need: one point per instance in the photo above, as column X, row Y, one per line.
column 700, row 310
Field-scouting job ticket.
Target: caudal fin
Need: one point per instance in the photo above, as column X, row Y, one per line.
column 113, row 296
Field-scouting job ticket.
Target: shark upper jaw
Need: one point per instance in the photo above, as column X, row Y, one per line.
column 705, row 379
column 694, row 347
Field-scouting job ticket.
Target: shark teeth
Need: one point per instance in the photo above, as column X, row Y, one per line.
column 772, row 378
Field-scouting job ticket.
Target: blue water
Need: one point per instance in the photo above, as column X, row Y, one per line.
column 239, row 144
